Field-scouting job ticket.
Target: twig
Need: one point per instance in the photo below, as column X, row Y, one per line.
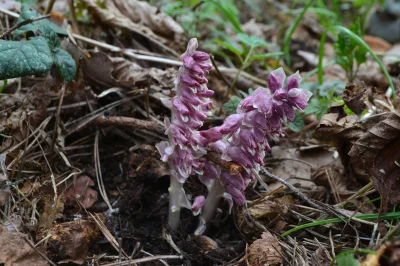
column 38, row 252
column 296, row 192
column 49, row 6
column 130, row 122
column 129, row 52
column 218, row 72
column 151, row 258
column 22, row 23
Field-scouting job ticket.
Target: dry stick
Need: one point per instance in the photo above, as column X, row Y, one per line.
column 129, row 52
column 151, row 258
column 38, row 252
column 130, row 122
column 22, row 23
column 49, row 6
column 57, row 123
column 292, row 188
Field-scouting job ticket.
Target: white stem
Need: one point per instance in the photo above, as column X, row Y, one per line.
column 210, row 206
column 175, row 190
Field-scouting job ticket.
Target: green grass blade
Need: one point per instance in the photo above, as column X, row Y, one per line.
column 291, row 30
column 365, row 217
column 359, row 41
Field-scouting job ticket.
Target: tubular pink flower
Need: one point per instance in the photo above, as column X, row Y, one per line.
column 189, row 108
column 245, row 134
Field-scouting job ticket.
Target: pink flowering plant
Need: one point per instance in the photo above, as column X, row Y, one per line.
column 242, row 138
column 189, row 108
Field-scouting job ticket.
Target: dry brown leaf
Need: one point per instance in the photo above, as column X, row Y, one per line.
column 111, row 15
column 4, row 190
column 265, row 251
column 15, row 251
column 81, row 191
column 69, row 242
column 265, row 212
column 143, row 13
column 98, row 72
column 378, row 150
column 378, row 45
column 355, row 97
column 388, row 254
column 158, row 80
column 51, row 211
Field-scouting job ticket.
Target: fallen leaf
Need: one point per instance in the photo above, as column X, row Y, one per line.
column 264, row 212
column 265, row 251
column 157, row 79
column 81, row 191
column 142, row 12
column 355, row 97
column 15, row 251
column 51, row 211
column 378, row 45
column 378, row 150
column 111, row 15
column 97, row 70
column 4, row 190
column 388, row 254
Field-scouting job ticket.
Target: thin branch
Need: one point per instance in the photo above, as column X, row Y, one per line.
column 292, row 188
column 130, row 122
column 49, row 6
column 22, row 23
column 38, row 252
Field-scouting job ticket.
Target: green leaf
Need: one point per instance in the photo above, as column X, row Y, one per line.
column 28, row 13
column 229, row 11
column 251, row 41
column 297, row 124
column 51, row 37
column 230, row 47
column 230, row 107
column 25, row 57
column 360, row 55
column 266, row 55
column 65, row 64
column 347, row 259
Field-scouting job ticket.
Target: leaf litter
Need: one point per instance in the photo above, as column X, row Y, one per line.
column 82, row 183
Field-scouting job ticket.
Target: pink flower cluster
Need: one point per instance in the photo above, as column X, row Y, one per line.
column 190, row 107
column 242, row 137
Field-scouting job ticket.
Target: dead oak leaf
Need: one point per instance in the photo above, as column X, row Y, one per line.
column 81, row 191
column 15, row 251
column 379, row 152
column 265, row 251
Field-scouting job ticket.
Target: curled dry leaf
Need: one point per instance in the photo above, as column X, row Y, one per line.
column 110, row 14
column 143, row 13
column 69, row 242
column 81, row 191
column 4, row 190
column 106, row 72
column 159, row 81
column 15, row 251
column 265, row 251
column 344, row 130
column 98, row 72
column 355, row 97
column 379, row 151
column 252, row 221
column 388, row 254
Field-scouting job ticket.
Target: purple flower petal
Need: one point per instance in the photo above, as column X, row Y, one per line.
column 200, row 56
column 276, row 79
column 293, row 81
column 198, row 203
column 299, row 98
column 231, row 123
